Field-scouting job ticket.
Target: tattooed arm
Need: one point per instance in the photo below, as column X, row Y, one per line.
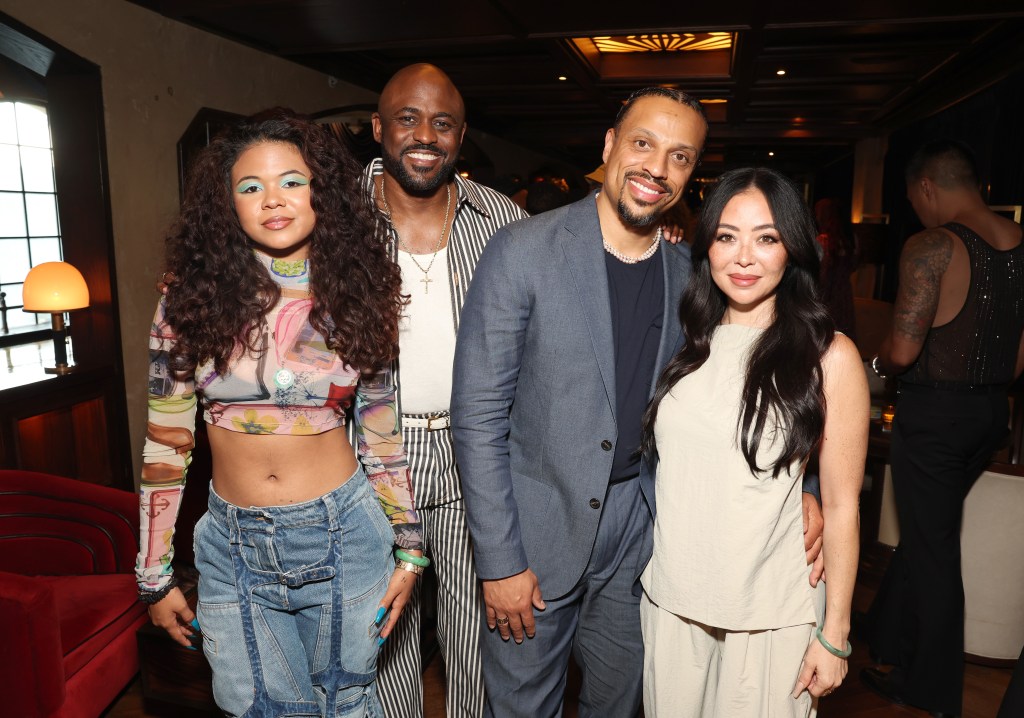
column 923, row 261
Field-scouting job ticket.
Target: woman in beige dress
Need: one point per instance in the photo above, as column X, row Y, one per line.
column 732, row 626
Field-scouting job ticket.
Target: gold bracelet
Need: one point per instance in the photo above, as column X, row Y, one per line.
column 410, row 567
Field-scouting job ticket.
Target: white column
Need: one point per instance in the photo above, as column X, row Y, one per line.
column 868, row 170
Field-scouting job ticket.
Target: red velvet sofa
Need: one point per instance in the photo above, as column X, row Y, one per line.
column 68, row 611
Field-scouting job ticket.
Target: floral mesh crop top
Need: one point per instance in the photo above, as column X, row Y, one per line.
column 297, row 385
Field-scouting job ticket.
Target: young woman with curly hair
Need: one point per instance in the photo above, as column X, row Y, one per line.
column 728, row 613
column 281, row 318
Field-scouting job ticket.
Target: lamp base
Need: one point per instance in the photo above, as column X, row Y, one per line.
column 60, row 349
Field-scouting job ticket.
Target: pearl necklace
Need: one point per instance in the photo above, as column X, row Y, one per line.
column 401, row 242
column 648, row 253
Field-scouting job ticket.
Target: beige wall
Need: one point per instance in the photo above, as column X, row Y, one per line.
column 156, row 74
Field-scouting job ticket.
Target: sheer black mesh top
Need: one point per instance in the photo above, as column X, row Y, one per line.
column 979, row 346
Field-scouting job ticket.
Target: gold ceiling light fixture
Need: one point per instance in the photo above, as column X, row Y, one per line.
column 664, row 42
column 658, row 58
column 715, row 108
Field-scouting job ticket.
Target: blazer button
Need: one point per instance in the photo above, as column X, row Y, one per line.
column 606, row 445
column 595, row 504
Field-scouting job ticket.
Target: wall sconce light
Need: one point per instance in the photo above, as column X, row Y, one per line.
column 55, row 288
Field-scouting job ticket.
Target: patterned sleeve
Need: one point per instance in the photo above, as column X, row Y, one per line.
column 379, row 437
column 165, row 459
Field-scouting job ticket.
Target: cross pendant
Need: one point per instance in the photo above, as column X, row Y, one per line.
column 426, row 284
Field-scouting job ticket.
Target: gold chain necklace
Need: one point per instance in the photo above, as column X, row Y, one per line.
column 401, row 242
column 648, row 253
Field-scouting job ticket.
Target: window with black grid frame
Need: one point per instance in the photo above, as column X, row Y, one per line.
column 29, row 225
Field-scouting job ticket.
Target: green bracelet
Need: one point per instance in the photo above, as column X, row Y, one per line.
column 421, row 561
column 832, row 649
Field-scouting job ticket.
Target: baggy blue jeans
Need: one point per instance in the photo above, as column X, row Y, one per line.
column 287, row 601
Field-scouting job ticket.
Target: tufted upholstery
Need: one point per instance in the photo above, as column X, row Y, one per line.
column 68, row 611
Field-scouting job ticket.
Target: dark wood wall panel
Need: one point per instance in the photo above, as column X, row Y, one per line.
column 62, row 426
column 45, row 443
column 68, row 441
column 92, row 457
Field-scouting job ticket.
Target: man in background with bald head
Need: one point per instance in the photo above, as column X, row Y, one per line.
column 438, row 224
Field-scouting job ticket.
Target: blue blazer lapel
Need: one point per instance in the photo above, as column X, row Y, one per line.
column 581, row 241
column 677, row 268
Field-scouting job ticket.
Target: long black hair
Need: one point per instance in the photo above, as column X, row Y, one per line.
column 784, row 376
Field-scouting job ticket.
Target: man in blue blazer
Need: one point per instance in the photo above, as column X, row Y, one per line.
column 570, row 317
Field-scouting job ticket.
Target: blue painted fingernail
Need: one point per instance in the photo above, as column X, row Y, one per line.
column 380, row 642
column 195, row 623
column 380, row 614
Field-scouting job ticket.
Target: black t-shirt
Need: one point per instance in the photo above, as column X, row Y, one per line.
column 637, row 298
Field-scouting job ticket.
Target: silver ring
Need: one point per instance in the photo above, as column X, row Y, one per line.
column 503, row 621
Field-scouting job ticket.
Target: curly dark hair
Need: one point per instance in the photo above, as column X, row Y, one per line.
column 784, row 376
column 220, row 291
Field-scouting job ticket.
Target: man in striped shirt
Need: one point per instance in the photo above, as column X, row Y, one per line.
column 438, row 223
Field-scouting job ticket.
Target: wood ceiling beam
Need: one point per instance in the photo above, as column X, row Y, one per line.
column 746, row 50
column 500, row 52
column 24, row 50
column 992, row 56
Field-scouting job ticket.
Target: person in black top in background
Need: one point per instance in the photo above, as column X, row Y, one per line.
column 957, row 344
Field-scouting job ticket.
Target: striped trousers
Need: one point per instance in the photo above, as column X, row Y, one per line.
column 459, row 599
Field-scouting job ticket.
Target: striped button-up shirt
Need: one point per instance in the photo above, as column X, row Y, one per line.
column 479, row 213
